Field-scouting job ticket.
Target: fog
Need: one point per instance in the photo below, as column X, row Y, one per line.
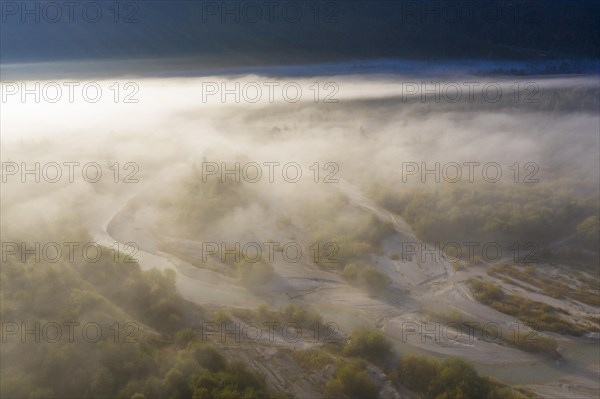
column 372, row 137
column 177, row 123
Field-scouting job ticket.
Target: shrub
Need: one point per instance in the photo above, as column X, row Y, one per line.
column 351, row 381
column 370, row 345
column 374, row 280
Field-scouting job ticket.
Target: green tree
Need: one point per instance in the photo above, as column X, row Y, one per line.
column 370, row 345
column 458, row 379
column 352, row 381
column 417, row 373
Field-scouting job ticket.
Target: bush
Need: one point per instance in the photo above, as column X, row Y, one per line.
column 588, row 231
column 499, row 213
column 352, row 381
column 538, row 315
column 151, row 367
column 452, row 379
column 374, row 280
column 417, row 373
column 370, row 345
column 184, row 336
column 458, row 379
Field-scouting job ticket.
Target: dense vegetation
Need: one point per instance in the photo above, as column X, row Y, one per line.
column 451, row 379
column 586, row 292
column 194, row 205
column 502, row 213
column 355, row 232
column 520, row 337
column 356, row 235
column 538, row 315
column 164, row 357
column 352, row 381
column 303, row 316
column 369, row 345
column 155, row 358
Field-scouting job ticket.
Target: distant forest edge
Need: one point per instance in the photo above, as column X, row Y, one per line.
column 195, row 67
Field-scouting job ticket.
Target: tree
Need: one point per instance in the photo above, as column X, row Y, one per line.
column 184, row 336
column 458, row 379
column 370, row 345
column 352, row 381
column 417, row 373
